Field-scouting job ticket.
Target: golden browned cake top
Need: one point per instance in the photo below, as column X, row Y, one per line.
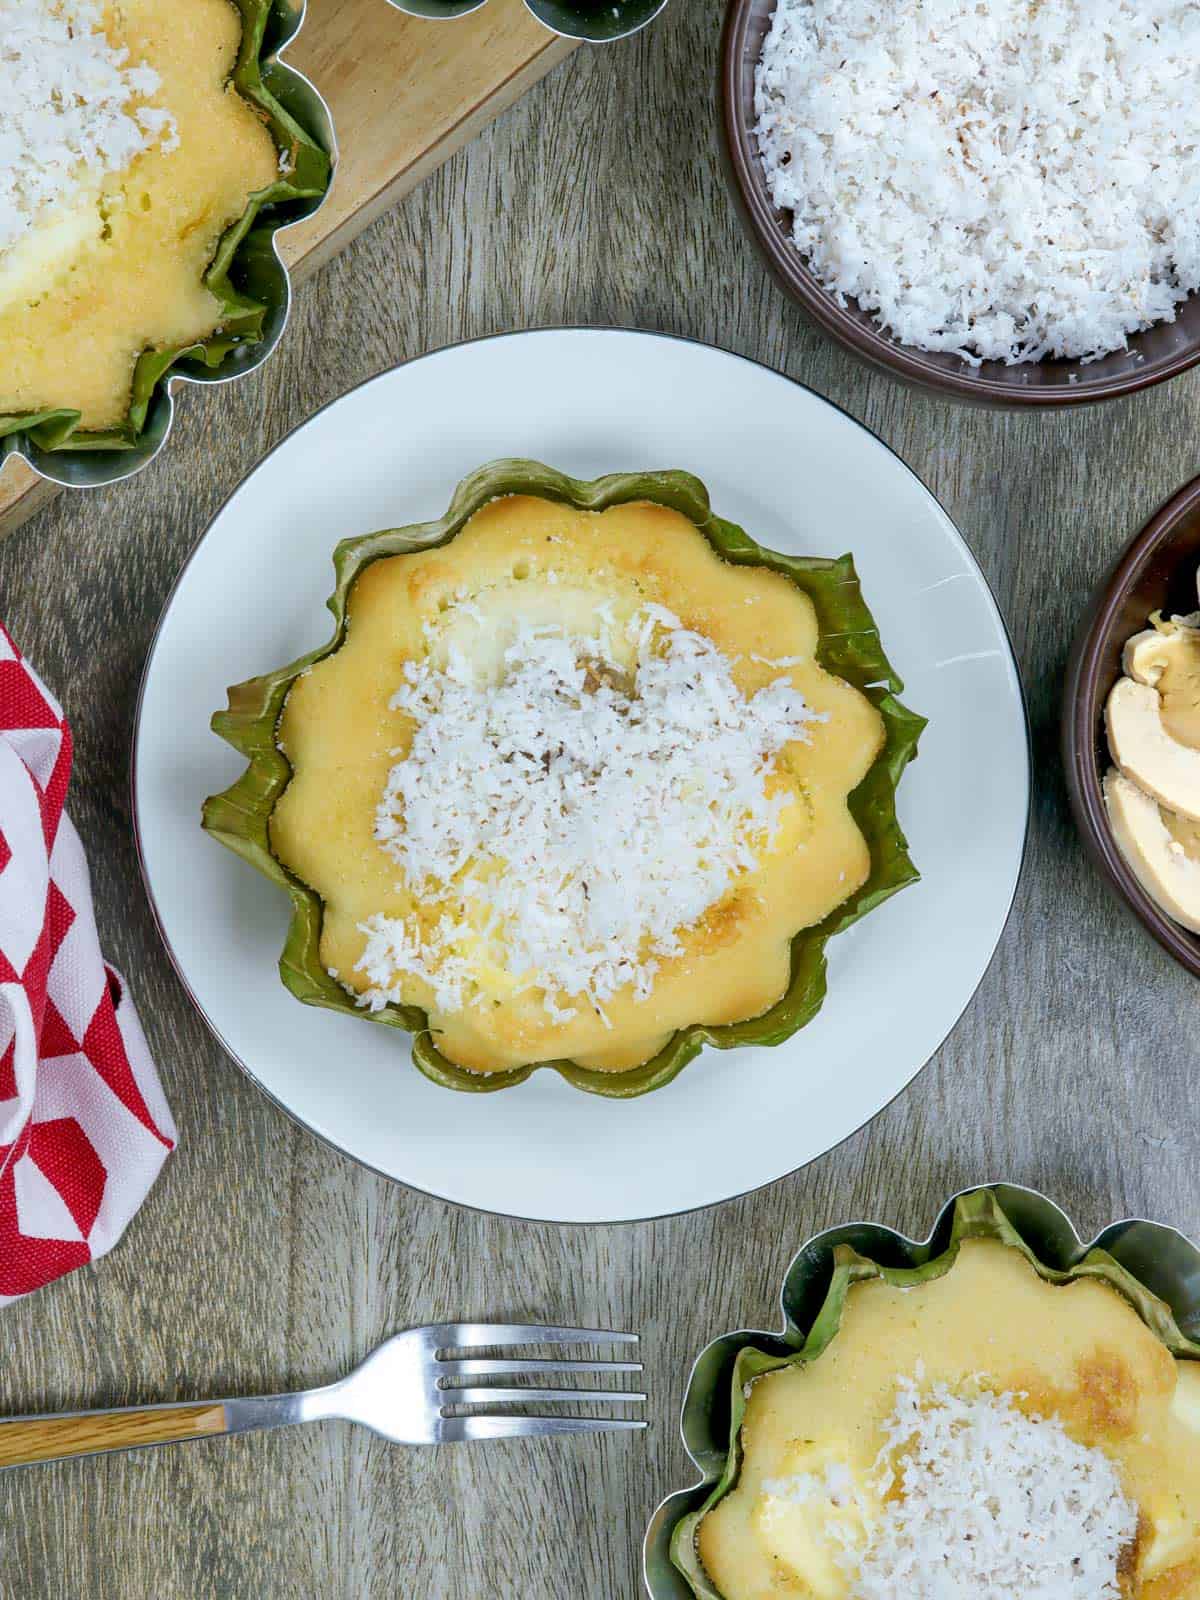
column 571, row 783
column 984, row 1426
column 115, row 199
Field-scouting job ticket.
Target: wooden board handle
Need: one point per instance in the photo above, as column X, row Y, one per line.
column 27, row 1439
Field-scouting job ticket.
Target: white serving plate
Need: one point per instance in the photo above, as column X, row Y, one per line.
column 801, row 476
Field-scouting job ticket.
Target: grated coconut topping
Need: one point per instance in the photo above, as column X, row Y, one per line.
column 1002, row 179
column 68, row 111
column 979, row 1499
column 573, row 817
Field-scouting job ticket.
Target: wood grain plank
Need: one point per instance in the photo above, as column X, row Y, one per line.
column 265, row 1261
column 404, row 94
column 22, row 493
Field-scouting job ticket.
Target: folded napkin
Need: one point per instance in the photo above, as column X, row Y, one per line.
column 84, row 1127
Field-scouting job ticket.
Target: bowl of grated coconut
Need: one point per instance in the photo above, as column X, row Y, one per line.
column 999, row 202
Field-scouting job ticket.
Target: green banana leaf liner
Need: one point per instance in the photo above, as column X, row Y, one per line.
column 244, row 275
column 1155, row 1268
column 848, row 646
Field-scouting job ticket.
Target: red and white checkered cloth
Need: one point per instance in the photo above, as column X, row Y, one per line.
column 84, row 1127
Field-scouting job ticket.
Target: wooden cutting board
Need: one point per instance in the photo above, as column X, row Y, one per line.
column 405, row 94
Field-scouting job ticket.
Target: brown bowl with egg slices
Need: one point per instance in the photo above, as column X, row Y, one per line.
column 1157, row 572
column 1160, row 352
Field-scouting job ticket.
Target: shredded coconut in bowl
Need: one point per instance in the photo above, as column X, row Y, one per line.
column 1000, row 179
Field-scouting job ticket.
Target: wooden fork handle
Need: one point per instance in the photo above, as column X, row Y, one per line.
column 24, row 1440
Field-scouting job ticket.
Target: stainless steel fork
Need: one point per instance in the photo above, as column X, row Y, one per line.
column 413, row 1390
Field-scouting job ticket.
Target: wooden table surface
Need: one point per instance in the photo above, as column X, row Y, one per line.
column 262, row 1260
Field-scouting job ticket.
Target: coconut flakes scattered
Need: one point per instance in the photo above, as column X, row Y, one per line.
column 980, row 1499
column 69, row 108
column 572, row 818
column 1003, row 179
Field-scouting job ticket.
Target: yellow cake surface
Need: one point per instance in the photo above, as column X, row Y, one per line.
column 529, row 558
column 1078, row 1352
column 118, row 269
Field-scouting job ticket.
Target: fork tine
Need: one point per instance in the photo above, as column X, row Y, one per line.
column 476, row 1366
column 455, row 1430
column 470, row 1335
column 485, row 1396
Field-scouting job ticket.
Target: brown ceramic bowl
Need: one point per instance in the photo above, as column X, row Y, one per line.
column 1159, row 353
column 1157, row 572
